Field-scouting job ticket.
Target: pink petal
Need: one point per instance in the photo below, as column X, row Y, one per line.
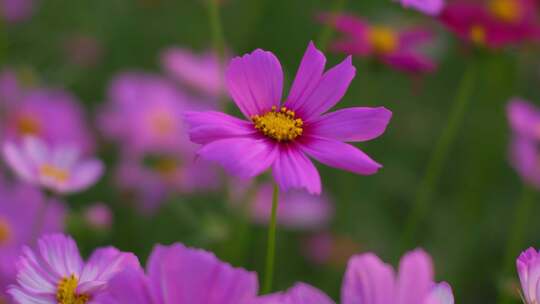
column 368, row 280
column 524, row 118
column 352, row 124
column 244, row 157
column 85, row 175
column 526, row 258
column 61, row 254
column 292, row 169
column 15, row 159
column 211, row 126
column 428, row 7
column 408, row 61
column 329, row 91
column 415, row 277
column 347, row 24
column 300, row 293
column 340, row 155
column 307, row 77
column 154, row 268
column 36, row 149
column 21, row 295
column 128, row 286
column 440, row 294
column 255, row 82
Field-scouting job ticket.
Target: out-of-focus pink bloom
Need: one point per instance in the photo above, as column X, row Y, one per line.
column 53, row 115
column 25, row 214
column 84, row 51
column 58, row 168
column 524, row 119
column 398, row 48
column 297, row 209
column 177, row 274
column 428, row 7
column 99, row 216
column 493, row 23
column 56, row 273
column 368, row 280
column 14, row 11
column 201, row 72
column 281, row 135
column 528, row 267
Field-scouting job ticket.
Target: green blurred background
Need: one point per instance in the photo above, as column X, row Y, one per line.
column 471, row 212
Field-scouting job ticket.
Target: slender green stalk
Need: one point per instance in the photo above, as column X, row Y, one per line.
column 326, row 32
column 517, row 235
column 438, row 157
column 218, row 39
column 271, row 244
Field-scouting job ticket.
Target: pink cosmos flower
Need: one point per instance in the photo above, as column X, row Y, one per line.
column 394, row 47
column 22, row 208
column 528, row 267
column 201, row 72
column 56, row 272
column 281, row 134
column 297, row 209
column 177, row 274
column 368, row 280
column 99, row 216
column 428, row 7
column 493, row 23
column 524, row 119
column 14, row 11
column 57, row 168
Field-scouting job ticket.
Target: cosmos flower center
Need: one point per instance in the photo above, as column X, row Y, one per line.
column 383, row 39
column 5, row 233
column 282, row 125
column 478, row 34
column 54, row 172
column 67, row 292
column 505, row 10
column 162, row 122
column 28, row 125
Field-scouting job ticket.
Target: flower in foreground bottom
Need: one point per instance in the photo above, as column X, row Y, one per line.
column 280, row 135
column 56, row 273
column 368, row 280
column 528, row 267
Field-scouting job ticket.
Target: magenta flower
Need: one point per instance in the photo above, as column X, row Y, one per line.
column 368, row 280
column 99, row 216
column 428, row 7
column 525, row 122
column 528, row 267
column 297, row 209
column 493, row 23
column 200, row 72
column 58, row 168
column 20, row 208
column 281, row 135
column 394, row 47
column 177, row 274
column 14, row 11
column 56, row 272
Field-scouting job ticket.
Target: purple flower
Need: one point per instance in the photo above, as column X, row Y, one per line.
column 201, row 72
column 368, row 280
column 297, row 209
column 177, row 274
column 394, row 47
column 25, row 214
column 428, row 7
column 528, row 267
column 524, row 119
column 58, row 168
column 493, row 23
column 14, row 11
column 281, row 135
column 98, row 216
column 56, row 272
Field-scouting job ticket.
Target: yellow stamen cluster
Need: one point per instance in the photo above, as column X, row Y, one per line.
column 66, row 292
column 280, row 125
column 54, row 172
column 506, row 10
column 478, row 35
column 5, row 232
column 28, row 125
column 383, row 39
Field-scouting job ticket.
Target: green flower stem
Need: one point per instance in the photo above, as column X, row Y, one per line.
column 327, row 30
column 271, row 244
column 216, row 28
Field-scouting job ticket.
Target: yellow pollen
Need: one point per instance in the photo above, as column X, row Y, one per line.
column 162, row 122
column 28, row 125
column 506, row 10
column 5, row 232
column 383, row 39
column 66, row 292
column 51, row 171
column 280, row 125
column 478, row 35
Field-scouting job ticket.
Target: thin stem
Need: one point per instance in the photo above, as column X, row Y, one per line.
column 439, row 155
column 326, row 32
column 218, row 39
column 271, row 244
